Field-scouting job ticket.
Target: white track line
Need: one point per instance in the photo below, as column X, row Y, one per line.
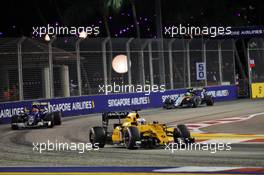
column 204, row 124
column 196, row 169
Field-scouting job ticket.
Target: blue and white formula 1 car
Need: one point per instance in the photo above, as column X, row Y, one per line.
column 190, row 99
column 38, row 116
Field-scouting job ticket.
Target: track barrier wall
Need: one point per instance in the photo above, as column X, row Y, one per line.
column 83, row 105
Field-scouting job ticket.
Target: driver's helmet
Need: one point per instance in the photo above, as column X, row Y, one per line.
column 188, row 94
column 190, row 90
column 35, row 108
column 141, row 121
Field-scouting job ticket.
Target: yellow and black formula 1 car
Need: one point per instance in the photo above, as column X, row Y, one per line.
column 132, row 131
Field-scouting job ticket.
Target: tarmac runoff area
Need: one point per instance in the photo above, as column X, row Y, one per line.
column 224, row 123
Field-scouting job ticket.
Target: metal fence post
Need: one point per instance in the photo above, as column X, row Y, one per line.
column 78, row 64
column 249, row 71
column 129, row 60
column 171, row 63
column 104, row 61
column 150, row 63
column 204, row 59
column 161, row 61
column 188, row 62
column 184, row 62
column 51, row 67
column 220, row 61
column 234, row 61
column 142, row 67
column 20, row 68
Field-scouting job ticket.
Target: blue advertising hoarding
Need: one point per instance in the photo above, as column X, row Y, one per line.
column 74, row 106
column 244, row 32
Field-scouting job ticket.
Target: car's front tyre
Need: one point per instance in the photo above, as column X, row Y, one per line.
column 97, row 135
column 131, row 136
column 57, row 118
column 50, row 118
column 209, row 101
column 185, row 133
column 195, row 102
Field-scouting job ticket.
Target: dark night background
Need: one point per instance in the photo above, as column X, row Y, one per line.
column 18, row 17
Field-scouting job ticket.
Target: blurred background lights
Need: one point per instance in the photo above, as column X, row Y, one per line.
column 83, row 34
column 47, row 37
column 119, row 64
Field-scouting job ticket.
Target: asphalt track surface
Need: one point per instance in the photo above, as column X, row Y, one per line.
column 16, row 147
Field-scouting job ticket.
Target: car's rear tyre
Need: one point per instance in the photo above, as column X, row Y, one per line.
column 97, row 135
column 57, row 118
column 50, row 117
column 14, row 120
column 131, row 136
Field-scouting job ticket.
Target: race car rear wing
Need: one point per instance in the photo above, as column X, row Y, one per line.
column 40, row 103
column 115, row 115
column 106, row 116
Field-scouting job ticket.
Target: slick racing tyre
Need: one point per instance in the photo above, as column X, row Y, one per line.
column 57, row 118
column 168, row 104
column 185, row 133
column 14, row 120
column 131, row 136
column 97, row 135
column 50, row 117
column 176, row 135
column 209, row 101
